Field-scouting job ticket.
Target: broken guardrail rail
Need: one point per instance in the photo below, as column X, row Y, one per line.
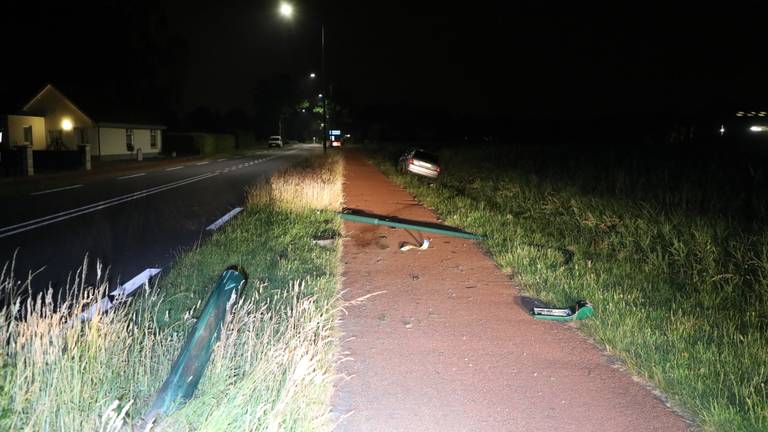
column 190, row 365
column 355, row 215
column 581, row 310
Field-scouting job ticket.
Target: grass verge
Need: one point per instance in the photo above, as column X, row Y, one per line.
column 271, row 370
column 680, row 286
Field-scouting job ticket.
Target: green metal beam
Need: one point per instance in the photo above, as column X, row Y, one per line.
column 189, row 366
column 390, row 223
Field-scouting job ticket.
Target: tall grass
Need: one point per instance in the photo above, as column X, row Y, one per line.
column 271, row 370
column 676, row 268
column 315, row 184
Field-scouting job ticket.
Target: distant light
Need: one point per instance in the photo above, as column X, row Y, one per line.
column 1, row 137
column 758, row 128
column 286, row 10
column 722, row 130
column 312, row 75
column 66, row 124
column 320, row 95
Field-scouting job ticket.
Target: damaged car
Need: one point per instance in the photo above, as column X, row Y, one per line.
column 420, row 162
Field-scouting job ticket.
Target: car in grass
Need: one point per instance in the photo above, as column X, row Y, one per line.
column 275, row 141
column 420, row 162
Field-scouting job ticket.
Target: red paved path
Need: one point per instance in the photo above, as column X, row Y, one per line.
column 446, row 345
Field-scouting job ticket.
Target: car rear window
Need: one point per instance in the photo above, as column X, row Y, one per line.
column 426, row 157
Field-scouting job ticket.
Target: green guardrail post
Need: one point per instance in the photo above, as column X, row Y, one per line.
column 190, row 365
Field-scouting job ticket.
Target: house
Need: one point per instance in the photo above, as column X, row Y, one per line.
column 51, row 121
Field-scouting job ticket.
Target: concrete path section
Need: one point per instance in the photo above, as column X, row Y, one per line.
column 441, row 342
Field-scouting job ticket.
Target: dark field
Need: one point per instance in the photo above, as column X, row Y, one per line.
column 669, row 245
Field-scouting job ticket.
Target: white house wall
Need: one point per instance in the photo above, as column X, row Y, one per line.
column 16, row 125
column 112, row 142
column 56, row 109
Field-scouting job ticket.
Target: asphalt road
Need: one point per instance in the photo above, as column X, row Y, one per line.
column 131, row 221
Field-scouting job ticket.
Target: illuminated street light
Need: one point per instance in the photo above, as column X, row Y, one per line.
column 286, row 10
column 320, row 95
column 312, row 75
column 66, row 124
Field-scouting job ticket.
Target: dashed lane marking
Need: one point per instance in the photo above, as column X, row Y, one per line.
column 57, row 189
column 131, row 176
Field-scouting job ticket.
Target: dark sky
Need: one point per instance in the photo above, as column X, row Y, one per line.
column 476, row 58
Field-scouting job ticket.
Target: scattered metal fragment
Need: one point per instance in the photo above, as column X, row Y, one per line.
column 404, row 246
column 324, row 242
column 581, row 310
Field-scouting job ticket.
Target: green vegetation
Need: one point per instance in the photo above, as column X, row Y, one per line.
column 674, row 257
column 272, row 368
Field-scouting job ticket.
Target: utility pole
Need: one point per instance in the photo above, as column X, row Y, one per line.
column 325, row 89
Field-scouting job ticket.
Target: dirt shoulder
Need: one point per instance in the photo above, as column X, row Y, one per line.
column 442, row 342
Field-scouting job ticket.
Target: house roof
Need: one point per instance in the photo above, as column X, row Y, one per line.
column 101, row 106
column 49, row 88
column 130, row 125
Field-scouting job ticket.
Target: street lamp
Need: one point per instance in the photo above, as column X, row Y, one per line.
column 312, row 75
column 286, row 10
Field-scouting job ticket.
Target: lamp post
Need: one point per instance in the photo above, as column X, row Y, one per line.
column 286, row 11
column 325, row 99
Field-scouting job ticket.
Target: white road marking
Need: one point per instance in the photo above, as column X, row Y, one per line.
column 216, row 225
column 174, row 168
column 131, row 176
column 36, row 223
column 202, row 163
column 56, row 190
column 221, row 160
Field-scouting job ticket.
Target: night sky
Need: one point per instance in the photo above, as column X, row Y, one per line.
column 482, row 59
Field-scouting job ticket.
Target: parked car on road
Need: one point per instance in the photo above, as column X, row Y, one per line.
column 275, row 141
column 336, row 142
column 418, row 161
